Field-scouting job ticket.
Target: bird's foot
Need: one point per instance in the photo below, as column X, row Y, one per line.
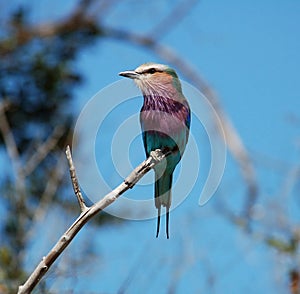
column 157, row 155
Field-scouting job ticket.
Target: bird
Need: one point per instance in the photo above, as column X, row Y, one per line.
column 165, row 119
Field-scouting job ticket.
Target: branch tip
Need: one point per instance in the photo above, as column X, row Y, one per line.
column 74, row 181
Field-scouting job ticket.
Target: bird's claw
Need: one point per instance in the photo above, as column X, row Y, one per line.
column 157, row 155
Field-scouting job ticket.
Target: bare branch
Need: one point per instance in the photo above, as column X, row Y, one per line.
column 173, row 18
column 154, row 158
column 77, row 19
column 101, row 8
column 43, row 150
column 51, row 188
column 13, row 154
column 9, row 141
column 74, row 180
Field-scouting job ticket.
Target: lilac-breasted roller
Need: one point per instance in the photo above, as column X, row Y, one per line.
column 165, row 121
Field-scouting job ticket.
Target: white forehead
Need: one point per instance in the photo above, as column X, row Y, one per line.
column 147, row 66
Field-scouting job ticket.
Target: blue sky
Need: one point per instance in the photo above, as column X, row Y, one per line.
column 249, row 53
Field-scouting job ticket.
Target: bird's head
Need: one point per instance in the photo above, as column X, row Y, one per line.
column 154, row 79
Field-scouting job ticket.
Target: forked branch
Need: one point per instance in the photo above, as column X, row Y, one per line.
column 87, row 213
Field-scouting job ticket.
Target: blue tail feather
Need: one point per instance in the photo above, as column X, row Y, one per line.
column 163, row 197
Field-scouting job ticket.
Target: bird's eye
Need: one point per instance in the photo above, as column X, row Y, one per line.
column 151, row 70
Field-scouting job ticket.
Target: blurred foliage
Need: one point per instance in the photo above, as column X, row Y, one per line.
column 38, row 77
column 37, row 80
column 282, row 245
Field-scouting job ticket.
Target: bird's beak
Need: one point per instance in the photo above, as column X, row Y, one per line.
column 129, row 74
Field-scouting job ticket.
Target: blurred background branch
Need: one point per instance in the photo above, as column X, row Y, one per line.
column 38, row 81
column 81, row 20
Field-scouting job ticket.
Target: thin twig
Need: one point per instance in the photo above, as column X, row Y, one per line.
column 154, row 158
column 174, row 18
column 9, row 141
column 43, row 150
column 14, row 156
column 74, row 180
column 53, row 183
